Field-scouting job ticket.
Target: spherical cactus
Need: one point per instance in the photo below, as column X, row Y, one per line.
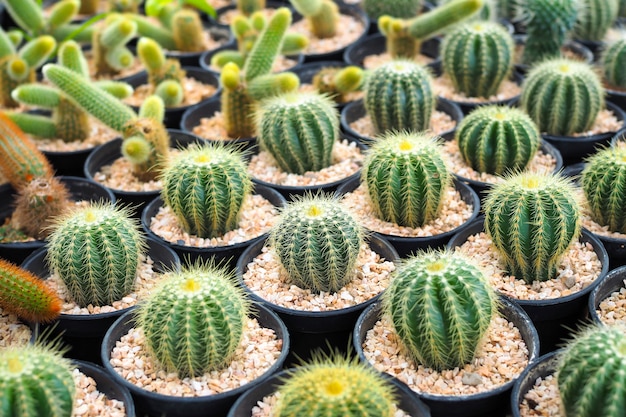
column 594, row 19
column 613, row 62
column 440, row 305
column 406, row 178
column 562, row 96
column 95, row 251
column 399, row 96
column 299, row 130
column 194, row 320
column 397, row 8
column 317, row 241
column 532, row 218
column 205, row 186
column 497, row 139
column 36, row 381
column 477, row 56
column 590, row 373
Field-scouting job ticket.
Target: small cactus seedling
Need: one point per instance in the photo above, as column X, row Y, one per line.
column 497, row 139
column 440, row 305
column 406, row 178
column 299, row 130
column 317, row 241
column 322, row 16
column 337, row 82
column 562, row 96
column 613, row 61
column 404, row 9
column 532, row 218
column 478, row 57
column 109, row 50
column 95, row 250
column 594, row 19
column 590, row 373
column 194, row 320
column 164, row 75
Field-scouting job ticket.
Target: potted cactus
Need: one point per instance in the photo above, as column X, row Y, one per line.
column 611, row 60
column 593, row 21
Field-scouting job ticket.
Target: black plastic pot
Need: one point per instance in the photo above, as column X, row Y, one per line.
column 84, row 333
column 79, row 188
column 612, row 282
column 310, row 330
column 573, row 47
column 544, row 366
column 405, row 246
column 376, row 44
column 553, row 318
column 491, row 403
column 157, row 405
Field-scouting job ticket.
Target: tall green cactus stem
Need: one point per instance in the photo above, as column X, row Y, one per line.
column 497, row 139
column 478, row 57
column 399, row 96
column 406, row 178
column 562, row 96
column 322, row 15
column 532, row 218
column 613, row 61
column 404, row 9
column 336, row 82
column 590, row 373
column 37, row 381
column 489, row 10
column 247, row 7
column 317, row 241
column 441, row 305
column 299, row 130
column 95, row 250
column 187, row 31
column 164, row 75
column 109, row 50
column 595, row 18
column 205, row 186
column 193, row 321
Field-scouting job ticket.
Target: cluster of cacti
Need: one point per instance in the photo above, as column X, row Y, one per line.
column 497, row 139
column 595, row 18
column 478, row 57
column 440, row 305
column 399, row 96
column 406, row 177
column 194, row 320
column 532, row 218
column 322, row 16
column 205, row 186
column 613, row 62
column 164, row 75
column 337, row 82
column 299, row 130
column 317, row 241
column 108, row 45
column 404, row 9
column 95, row 251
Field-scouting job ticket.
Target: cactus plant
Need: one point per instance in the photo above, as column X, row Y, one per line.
column 497, row 139
column 337, row 82
column 532, row 218
column 194, row 320
column 109, row 50
column 317, row 241
column 406, row 178
column 595, row 18
column 612, row 62
column 95, row 251
column 562, row 96
column 478, row 57
column 247, row 7
column 489, row 10
column 164, row 75
column 404, row 9
column 440, row 305
column 622, row 8
column 322, row 16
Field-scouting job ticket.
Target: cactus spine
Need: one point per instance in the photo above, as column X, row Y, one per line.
column 478, row 57
column 613, row 61
column 322, row 16
column 404, row 9
column 497, row 139
column 406, row 178
column 562, row 96
column 594, row 19
column 532, row 218
column 317, row 241
column 440, row 305
column 193, row 321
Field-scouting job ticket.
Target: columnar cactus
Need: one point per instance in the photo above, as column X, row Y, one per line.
column 299, row 129
column 205, row 186
column 532, row 218
column 194, row 320
column 95, row 250
column 478, row 57
column 399, row 96
column 406, row 178
column 404, row 9
column 489, row 10
column 562, row 96
column 322, row 15
column 109, row 50
column 164, row 75
column 613, row 61
column 595, row 18
column 497, row 139
column 440, row 305
column 317, row 241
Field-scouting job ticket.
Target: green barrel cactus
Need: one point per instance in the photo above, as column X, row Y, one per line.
column 322, row 15
column 595, row 18
column 478, row 57
column 590, row 373
column 532, row 218
column 205, row 186
column 613, row 62
column 36, row 381
column 440, row 305
column 406, row 178
column 194, row 320
column 317, row 241
column 404, row 9
column 95, row 251
column 562, row 96
column 299, row 129
column 497, row 139
column 399, row 96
